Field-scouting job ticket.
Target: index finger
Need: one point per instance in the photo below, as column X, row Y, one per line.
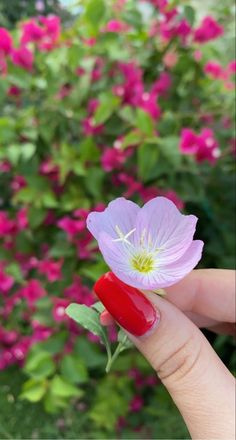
column 208, row 292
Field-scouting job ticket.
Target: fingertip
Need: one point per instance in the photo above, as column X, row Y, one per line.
column 106, row 319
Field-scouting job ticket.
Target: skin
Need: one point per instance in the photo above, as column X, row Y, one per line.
column 197, row 380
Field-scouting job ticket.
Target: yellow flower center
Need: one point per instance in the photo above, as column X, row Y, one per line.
column 143, row 263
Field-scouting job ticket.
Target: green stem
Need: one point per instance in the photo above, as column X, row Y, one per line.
column 116, row 353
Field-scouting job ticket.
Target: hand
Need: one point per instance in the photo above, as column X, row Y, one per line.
column 169, row 338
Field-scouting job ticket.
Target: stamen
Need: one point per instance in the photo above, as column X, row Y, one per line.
column 122, row 236
column 143, row 263
column 142, row 237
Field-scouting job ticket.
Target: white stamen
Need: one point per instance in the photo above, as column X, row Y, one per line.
column 123, row 237
column 142, row 237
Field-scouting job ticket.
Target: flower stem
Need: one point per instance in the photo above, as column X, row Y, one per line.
column 116, row 353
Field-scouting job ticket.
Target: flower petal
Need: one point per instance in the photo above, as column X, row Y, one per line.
column 166, row 229
column 120, row 212
column 174, row 272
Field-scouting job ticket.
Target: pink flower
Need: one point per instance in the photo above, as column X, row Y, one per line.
column 231, row 67
column 170, row 59
column 59, row 307
column 189, row 141
column 197, row 55
column 204, row 146
column 208, row 30
column 91, row 128
column 22, row 218
column 23, row 57
column 183, row 29
column 214, row 70
column 40, row 332
column 51, row 269
column 116, row 26
column 32, row 291
column 150, row 247
column 79, row 293
column 6, row 281
column 71, row 226
column 14, row 91
column 18, row 183
column 5, row 166
column 52, row 27
column 148, row 102
column 5, row 41
column 43, row 31
column 6, row 225
column 208, row 148
column 136, row 404
column 163, row 84
column 113, row 158
column 31, row 32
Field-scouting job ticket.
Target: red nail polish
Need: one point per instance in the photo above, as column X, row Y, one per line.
column 128, row 306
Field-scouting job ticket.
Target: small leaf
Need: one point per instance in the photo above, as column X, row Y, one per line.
column 94, row 12
column 124, row 340
column 144, row 122
column 189, row 14
column 61, row 388
column 27, row 151
column 98, row 306
column 87, row 317
column 73, row 369
column 108, row 103
column 33, row 390
column 148, row 155
column 40, row 365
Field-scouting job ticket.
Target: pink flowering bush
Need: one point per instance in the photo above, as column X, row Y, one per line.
column 117, row 104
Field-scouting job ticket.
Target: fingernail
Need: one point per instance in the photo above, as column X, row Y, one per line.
column 128, row 306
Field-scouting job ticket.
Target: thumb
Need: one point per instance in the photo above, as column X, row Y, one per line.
column 199, row 383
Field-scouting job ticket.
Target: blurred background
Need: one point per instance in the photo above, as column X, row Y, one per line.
column 98, row 99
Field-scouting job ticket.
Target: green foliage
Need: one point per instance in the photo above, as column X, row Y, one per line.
column 52, row 167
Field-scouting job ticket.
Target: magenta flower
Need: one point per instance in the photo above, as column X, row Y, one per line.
column 5, row 41
column 208, row 30
column 23, row 57
column 150, row 247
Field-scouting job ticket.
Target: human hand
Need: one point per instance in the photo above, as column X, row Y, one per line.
column 166, row 332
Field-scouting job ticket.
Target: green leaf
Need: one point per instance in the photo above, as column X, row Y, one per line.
column 13, row 153
column 14, row 270
column 169, row 147
column 87, row 317
column 189, row 14
column 36, row 216
column 39, row 365
column 88, row 150
column 61, row 388
column 27, row 151
column 144, row 122
column 94, row 271
column 89, row 353
column 134, row 137
column 147, row 160
column 74, row 369
column 123, row 339
column 33, row 390
column 94, row 12
column 98, row 306
column 108, row 104
column 127, row 114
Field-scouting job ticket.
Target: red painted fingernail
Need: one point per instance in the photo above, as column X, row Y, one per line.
column 128, row 306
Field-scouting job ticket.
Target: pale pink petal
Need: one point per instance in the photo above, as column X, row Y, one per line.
column 120, row 212
column 165, row 229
